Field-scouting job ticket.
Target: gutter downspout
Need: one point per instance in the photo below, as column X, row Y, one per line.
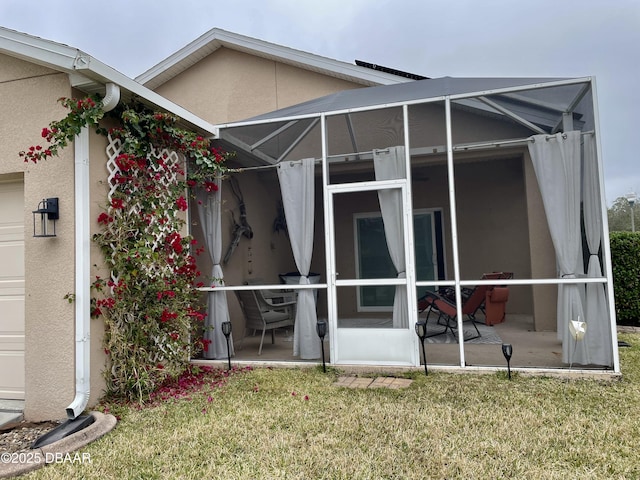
column 83, row 260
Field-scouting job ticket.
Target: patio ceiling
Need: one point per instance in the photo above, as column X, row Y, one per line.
column 541, row 105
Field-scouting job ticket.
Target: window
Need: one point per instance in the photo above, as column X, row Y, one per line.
column 373, row 260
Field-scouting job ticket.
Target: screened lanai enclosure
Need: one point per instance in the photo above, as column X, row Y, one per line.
column 474, row 205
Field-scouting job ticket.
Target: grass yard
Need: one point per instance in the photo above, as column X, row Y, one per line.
column 294, row 424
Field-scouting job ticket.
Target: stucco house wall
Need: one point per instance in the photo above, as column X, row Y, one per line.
column 229, row 85
column 29, row 94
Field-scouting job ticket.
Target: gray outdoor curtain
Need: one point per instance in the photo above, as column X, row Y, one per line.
column 598, row 335
column 389, row 164
column 217, row 308
column 556, row 161
column 297, row 187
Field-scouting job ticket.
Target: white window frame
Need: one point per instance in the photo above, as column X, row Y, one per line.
column 420, row 211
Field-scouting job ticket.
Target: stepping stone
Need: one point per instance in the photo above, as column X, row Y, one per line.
column 390, row 382
column 353, row 382
column 379, row 382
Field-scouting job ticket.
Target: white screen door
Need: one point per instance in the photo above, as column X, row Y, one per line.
column 360, row 336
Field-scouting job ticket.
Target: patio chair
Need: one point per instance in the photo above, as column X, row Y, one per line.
column 273, row 297
column 447, row 314
column 494, row 296
column 262, row 315
column 448, row 293
column 495, row 305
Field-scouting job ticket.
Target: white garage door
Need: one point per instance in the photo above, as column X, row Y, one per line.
column 11, row 290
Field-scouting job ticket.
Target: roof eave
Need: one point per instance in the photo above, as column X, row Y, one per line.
column 217, row 38
column 81, row 66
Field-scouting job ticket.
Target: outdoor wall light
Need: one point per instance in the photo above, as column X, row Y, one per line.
column 321, row 329
column 507, row 351
column 421, row 331
column 45, row 216
column 226, row 331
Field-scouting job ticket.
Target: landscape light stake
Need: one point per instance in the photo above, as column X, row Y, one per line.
column 507, row 351
column 421, row 331
column 226, row 330
column 321, row 329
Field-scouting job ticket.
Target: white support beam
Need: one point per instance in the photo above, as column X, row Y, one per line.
column 273, row 134
column 567, row 122
column 511, row 115
column 299, row 139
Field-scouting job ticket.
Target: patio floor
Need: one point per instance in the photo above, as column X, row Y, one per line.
column 530, row 348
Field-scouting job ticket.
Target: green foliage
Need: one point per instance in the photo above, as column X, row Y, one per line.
column 625, row 258
column 619, row 216
column 84, row 112
column 150, row 303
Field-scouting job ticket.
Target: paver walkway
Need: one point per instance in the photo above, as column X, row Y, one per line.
column 378, row 382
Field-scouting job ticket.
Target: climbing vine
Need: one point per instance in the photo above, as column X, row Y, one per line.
column 149, row 304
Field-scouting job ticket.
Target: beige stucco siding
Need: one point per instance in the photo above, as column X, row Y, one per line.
column 29, row 94
column 229, row 86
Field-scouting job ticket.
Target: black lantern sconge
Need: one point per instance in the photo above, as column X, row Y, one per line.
column 46, row 216
column 507, row 351
column 226, row 331
column 421, row 331
column 321, row 329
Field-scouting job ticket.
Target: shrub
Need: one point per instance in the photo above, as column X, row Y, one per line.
column 625, row 258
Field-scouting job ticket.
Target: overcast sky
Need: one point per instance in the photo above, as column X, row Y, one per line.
column 460, row 38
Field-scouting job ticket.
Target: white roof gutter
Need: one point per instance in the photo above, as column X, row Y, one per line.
column 73, row 61
column 83, row 261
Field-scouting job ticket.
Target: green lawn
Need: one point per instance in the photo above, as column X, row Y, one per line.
column 294, row 424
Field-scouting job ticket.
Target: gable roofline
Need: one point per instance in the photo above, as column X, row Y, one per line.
column 90, row 75
column 217, row 38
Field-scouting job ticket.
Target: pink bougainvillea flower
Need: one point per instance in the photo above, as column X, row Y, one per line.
column 210, row 187
column 117, row 203
column 167, row 315
column 104, row 219
column 181, row 203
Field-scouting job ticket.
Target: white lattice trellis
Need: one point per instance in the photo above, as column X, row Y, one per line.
column 163, row 207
